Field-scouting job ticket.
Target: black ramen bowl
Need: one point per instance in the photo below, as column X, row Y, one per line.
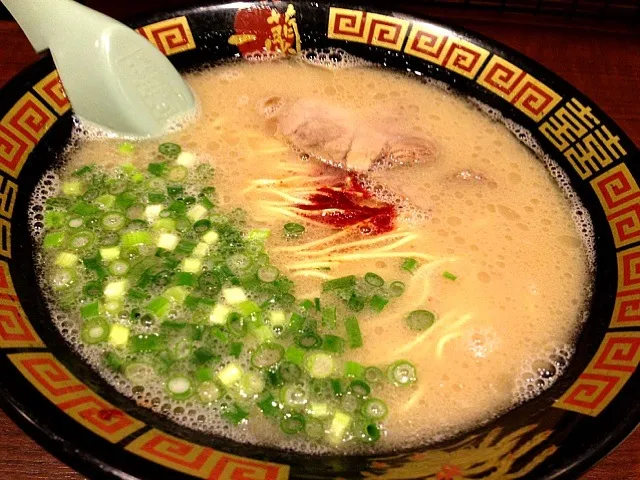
column 66, row 406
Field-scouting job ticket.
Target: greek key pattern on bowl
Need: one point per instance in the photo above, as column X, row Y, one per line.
column 611, row 367
column 51, row 91
column 74, row 398
column 15, row 329
column 170, row 36
column 20, row 131
column 202, row 462
column 522, row 90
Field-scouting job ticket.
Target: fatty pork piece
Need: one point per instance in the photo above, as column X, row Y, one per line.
column 340, row 137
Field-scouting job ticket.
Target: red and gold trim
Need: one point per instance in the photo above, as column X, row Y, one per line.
column 202, row 462
column 370, row 28
column 20, row 130
column 170, row 36
column 527, row 94
column 440, row 46
column 619, row 195
column 588, row 145
column 74, row 398
column 15, row 329
column 51, row 91
column 609, row 370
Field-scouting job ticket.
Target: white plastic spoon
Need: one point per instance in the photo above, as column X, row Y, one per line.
column 113, row 77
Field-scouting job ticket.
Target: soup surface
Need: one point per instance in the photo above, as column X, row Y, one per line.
column 440, row 198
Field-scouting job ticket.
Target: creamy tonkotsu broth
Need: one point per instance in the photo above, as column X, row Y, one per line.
column 502, row 251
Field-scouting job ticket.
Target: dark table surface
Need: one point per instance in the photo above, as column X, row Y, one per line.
column 600, row 58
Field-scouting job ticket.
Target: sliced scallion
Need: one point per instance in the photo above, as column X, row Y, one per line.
column 402, row 373
column 420, row 320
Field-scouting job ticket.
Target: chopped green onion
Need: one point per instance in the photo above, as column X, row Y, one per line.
column 339, row 283
column 230, row 374
column 374, row 279
column 184, row 279
column 171, row 150
column 292, row 423
column 333, row 344
column 54, row 240
column 209, row 392
column 234, row 414
column 359, row 388
column 251, row 384
column 159, row 306
column 209, row 283
column 180, row 387
column 119, row 267
column 308, row 340
column 371, row 433
column 354, row 336
column 420, row 320
column 126, row 148
column 356, row 302
column 269, row 406
column 449, row 275
column 95, row 330
column 294, row 354
column 293, row 396
column 248, row 308
column 410, row 265
column 235, row 349
column 339, row 425
column 92, row 289
column 90, row 310
column 396, row 289
column 82, row 171
column 373, row 375
column 374, row 408
column 319, row 365
column 293, row 229
column 402, row 373
column 354, row 369
column 146, row 343
column 329, row 317
column 73, row 188
column 177, row 173
column 378, row 303
column 289, row 371
column 268, row 273
column 267, row 355
column 135, row 239
column 82, row 240
column 139, row 373
column 114, row 361
column 314, row 428
column 84, row 209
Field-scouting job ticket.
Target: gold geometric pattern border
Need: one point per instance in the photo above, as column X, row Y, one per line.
column 609, row 370
column 202, row 462
column 170, row 36
column 442, row 47
column 585, row 142
column 20, row 130
column 15, row 329
column 73, row 397
column 619, row 195
column 51, row 91
column 519, row 88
